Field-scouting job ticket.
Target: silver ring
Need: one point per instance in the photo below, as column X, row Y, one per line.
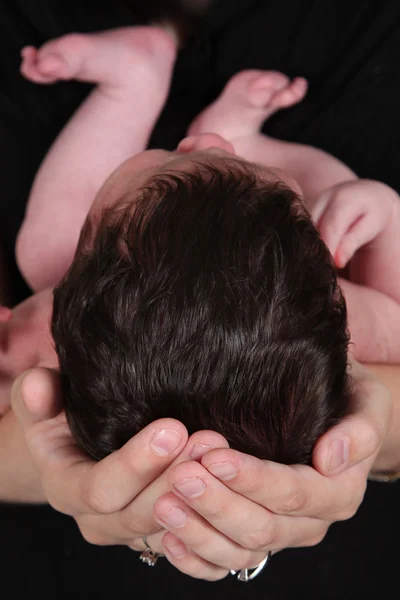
column 244, row 575
column 148, row 556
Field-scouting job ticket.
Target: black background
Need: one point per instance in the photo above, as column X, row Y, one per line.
column 350, row 54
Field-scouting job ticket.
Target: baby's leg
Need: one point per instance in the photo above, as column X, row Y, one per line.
column 132, row 68
column 248, row 99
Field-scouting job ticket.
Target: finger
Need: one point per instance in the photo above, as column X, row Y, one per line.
column 189, row 562
column 336, row 221
column 111, row 484
column 359, row 435
column 154, row 541
column 319, row 206
column 293, row 93
column 136, row 519
column 251, row 524
column 73, row 482
column 296, row 490
column 137, row 515
column 35, row 396
column 360, row 233
column 92, row 531
column 201, row 537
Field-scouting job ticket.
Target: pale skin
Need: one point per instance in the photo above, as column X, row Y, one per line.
column 288, row 506
column 359, row 220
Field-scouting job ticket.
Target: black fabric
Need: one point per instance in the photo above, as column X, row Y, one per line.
column 43, row 555
column 350, row 54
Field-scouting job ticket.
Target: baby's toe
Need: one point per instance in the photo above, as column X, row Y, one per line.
column 299, row 88
column 29, row 53
column 53, row 65
column 264, row 87
column 291, row 94
column 29, row 71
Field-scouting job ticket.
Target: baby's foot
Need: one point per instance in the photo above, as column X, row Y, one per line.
column 248, row 99
column 117, row 58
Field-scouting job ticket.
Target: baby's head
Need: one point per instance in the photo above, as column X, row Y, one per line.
column 201, row 291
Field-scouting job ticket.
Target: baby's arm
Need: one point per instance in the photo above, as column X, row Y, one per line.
column 359, row 220
column 360, row 223
column 132, row 68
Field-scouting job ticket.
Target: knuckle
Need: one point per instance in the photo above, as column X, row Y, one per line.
column 134, row 525
column 293, row 500
column 94, row 500
column 255, row 484
column 217, row 511
column 93, row 537
column 257, row 540
column 317, row 537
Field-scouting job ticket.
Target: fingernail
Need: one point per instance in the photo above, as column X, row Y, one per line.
column 191, row 487
column 176, row 517
column 199, row 450
column 176, row 551
column 223, row 470
column 165, row 441
column 338, row 454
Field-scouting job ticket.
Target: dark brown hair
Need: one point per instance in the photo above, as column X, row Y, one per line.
column 217, row 304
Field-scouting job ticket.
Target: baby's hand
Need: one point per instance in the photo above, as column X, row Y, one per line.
column 352, row 214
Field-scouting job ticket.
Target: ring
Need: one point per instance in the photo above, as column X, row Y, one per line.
column 148, row 556
column 244, row 575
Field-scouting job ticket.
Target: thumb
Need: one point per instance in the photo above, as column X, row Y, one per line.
column 36, row 396
column 360, row 434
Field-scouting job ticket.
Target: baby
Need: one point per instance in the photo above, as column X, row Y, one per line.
column 200, row 288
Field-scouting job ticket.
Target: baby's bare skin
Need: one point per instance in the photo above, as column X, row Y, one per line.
column 249, row 99
column 132, row 68
column 359, row 220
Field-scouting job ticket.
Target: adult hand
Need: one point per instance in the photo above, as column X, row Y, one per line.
column 228, row 511
column 233, row 520
column 110, row 500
